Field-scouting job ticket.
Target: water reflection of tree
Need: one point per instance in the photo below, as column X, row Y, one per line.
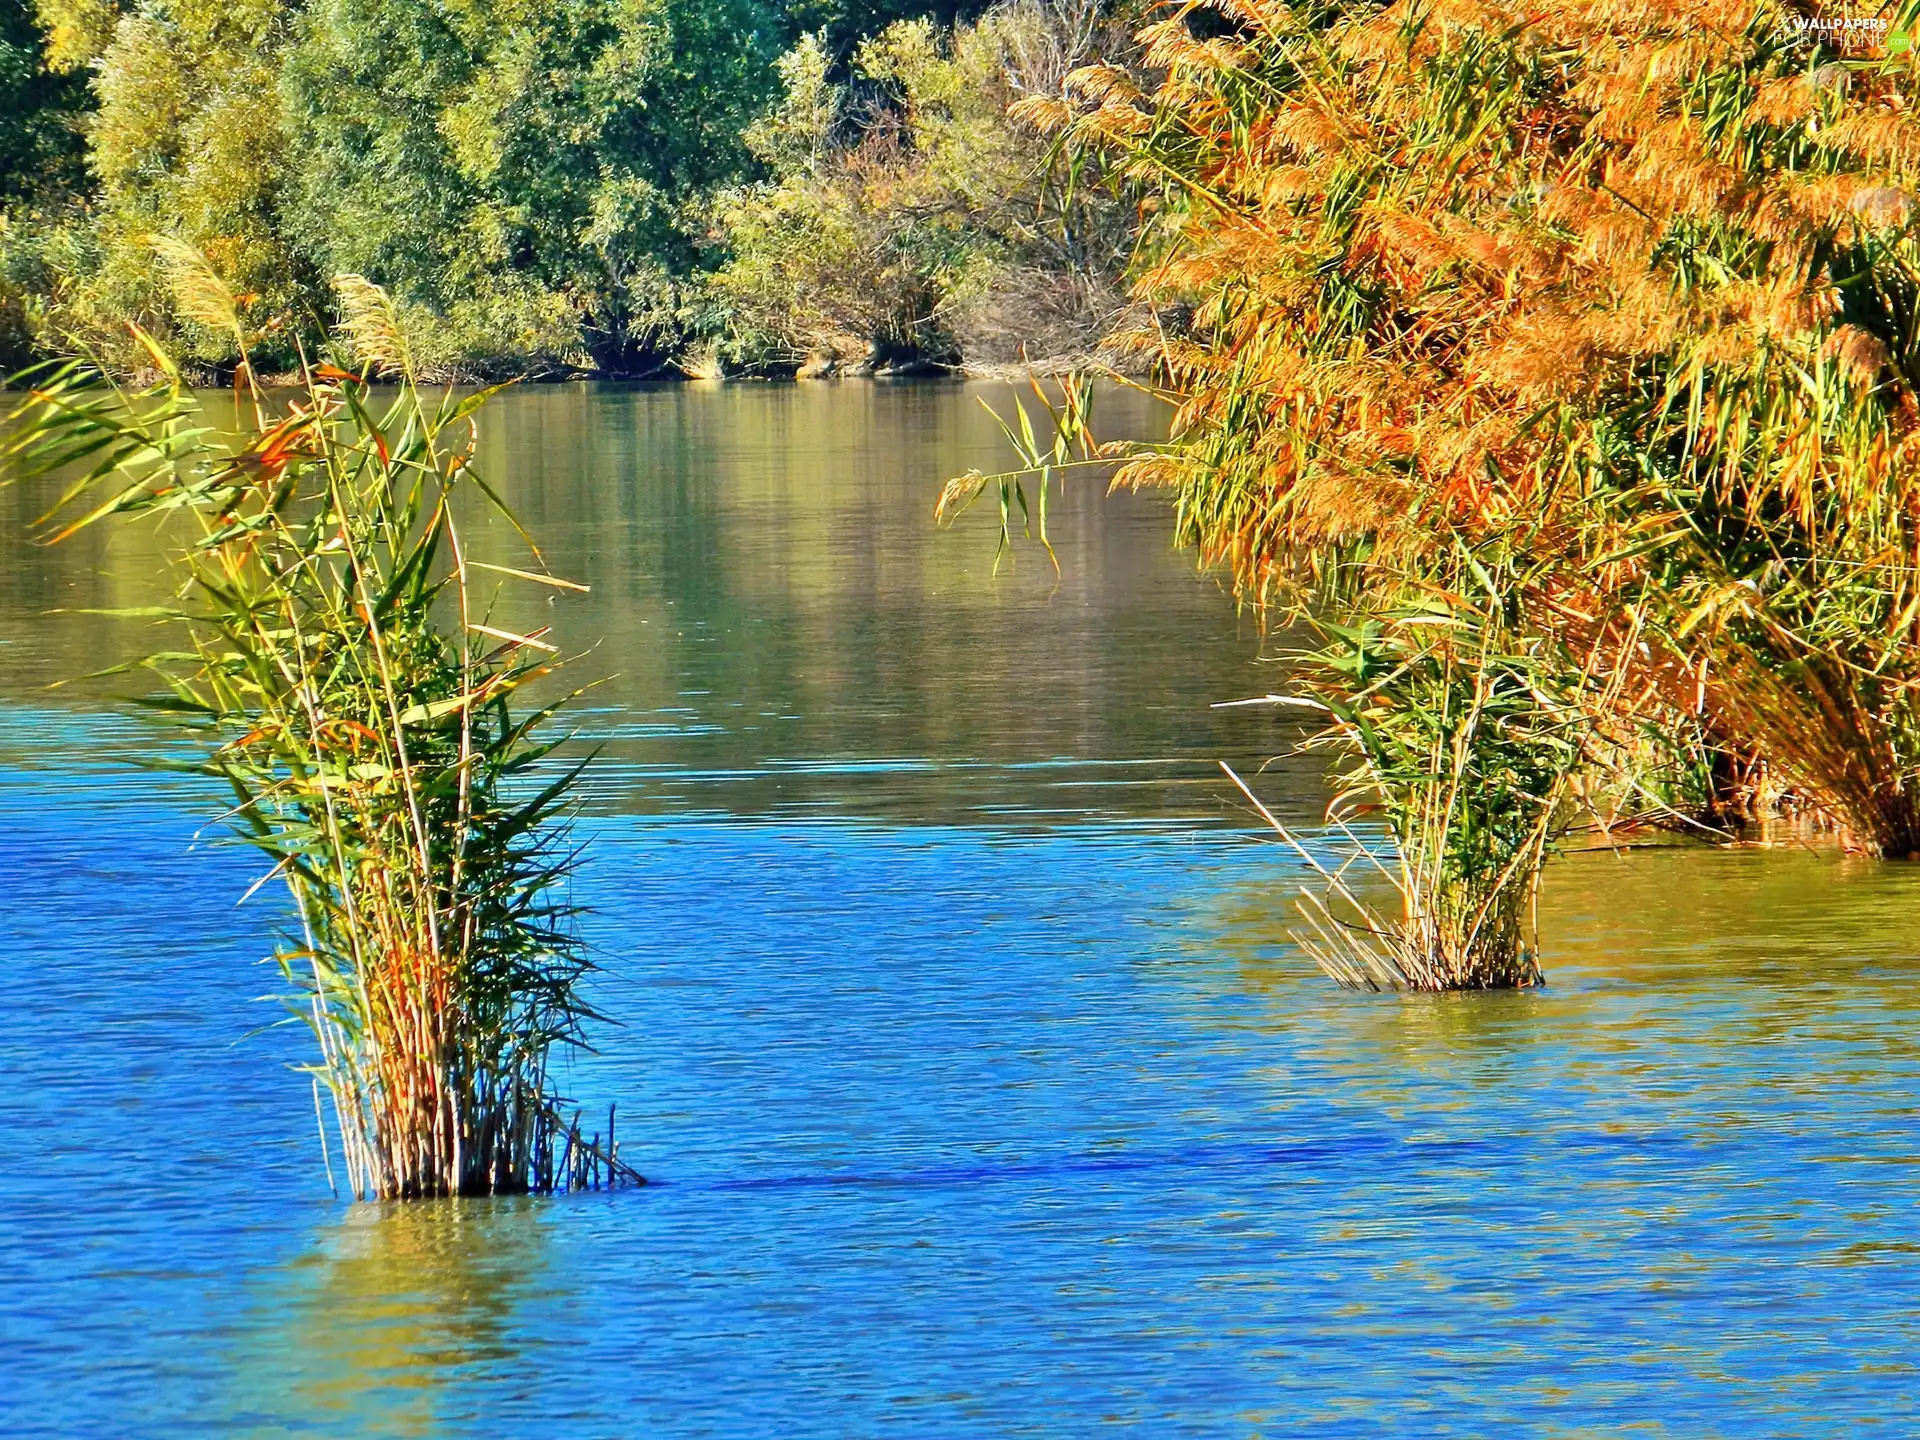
column 769, row 583
column 415, row 1308
column 772, row 593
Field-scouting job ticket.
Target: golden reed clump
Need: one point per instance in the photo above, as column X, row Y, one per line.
column 1634, row 283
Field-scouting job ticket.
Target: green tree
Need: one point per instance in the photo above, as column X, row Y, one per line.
column 909, row 217
column 532, row 163
column 40, row 140
column 843, row 24
column 184, row 139
column 42, row 174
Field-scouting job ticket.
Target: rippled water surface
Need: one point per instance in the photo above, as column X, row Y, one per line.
column 952, row 1012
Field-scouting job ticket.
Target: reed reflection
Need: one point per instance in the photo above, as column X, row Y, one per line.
column 402, row 1306
column 1657, row 956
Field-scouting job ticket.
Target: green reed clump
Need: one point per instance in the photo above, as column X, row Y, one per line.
column 345, row 683
column 1460, row 726
column 1461, row 734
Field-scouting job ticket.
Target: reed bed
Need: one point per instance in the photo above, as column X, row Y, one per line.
column 347, row 684
column 1618, row 301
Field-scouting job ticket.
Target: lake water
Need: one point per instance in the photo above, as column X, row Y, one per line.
column 952, row 1013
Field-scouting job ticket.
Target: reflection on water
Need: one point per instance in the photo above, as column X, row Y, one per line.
column 393, row 1304
column 780, row 626
column 958, row 1023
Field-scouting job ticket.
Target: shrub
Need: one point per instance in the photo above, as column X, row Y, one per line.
column 908, row 219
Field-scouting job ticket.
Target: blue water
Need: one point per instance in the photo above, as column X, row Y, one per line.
column 958, row 1132
column 981, row 1089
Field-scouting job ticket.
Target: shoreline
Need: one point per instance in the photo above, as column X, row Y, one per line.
column 1049, row 368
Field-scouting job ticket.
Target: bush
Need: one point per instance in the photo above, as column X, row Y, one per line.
column 909, row 219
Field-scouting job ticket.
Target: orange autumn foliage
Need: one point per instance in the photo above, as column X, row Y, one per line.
column 1629, row 286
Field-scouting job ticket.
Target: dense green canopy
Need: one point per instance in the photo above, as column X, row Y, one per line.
column 40, row 143
column 535, row 175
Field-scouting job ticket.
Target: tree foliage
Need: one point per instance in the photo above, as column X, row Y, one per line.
column 842, row 24
column 532, row 174
column 41, row 168
column 40, row 143
column 552, row 151
column 906, row 217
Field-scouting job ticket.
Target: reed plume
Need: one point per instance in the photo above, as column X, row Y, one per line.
column 1627, row 295
column 371, row 327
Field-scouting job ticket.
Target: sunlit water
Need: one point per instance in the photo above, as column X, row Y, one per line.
column 951, row 1011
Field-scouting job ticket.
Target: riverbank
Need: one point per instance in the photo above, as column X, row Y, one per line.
column 704, row 370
